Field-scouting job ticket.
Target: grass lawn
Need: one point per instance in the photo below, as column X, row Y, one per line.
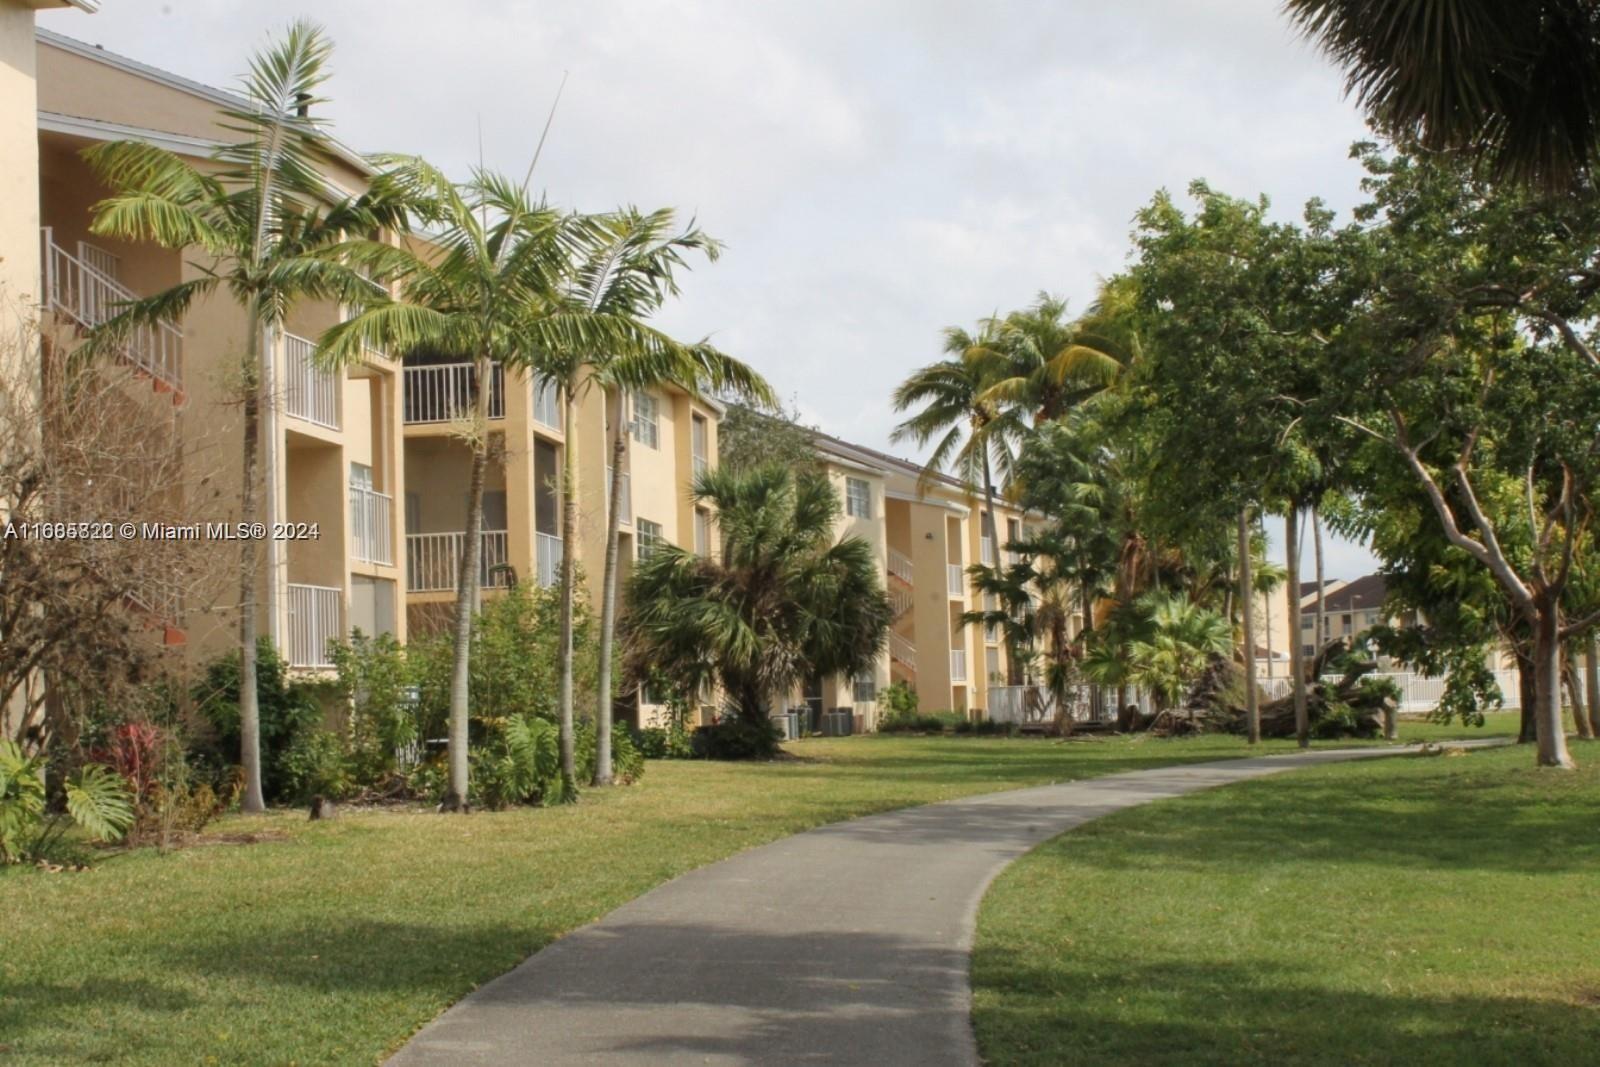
column 1414, row 910
column 337, row 941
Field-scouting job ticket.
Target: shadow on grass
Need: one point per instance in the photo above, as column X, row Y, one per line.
column 25, row 1006
column 1225, row 1012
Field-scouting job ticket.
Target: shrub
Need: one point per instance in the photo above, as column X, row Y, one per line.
column 900, row 700
column 170, row 794
column 318, row 764
column 287, row 709
column 518, row 761
column 374, row 677
column 627, row 762
column 735, row 738
column 987, row 728
column 917, row 724
column 671, row 742
column 96, row 798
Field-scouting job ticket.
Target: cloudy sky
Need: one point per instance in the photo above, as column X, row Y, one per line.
column 878, row 169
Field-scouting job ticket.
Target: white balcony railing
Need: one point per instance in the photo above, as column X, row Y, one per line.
column 89, row 295
column 106, row 262
column 309, row 392
column 371, row 525
column 433, row 561
column 626, row 510
column 986, row 550
column 901, row 649
column 446, row 392
column 546, row 403
column 901, row 600
column 958, row 664
column 548, row 551
column 900, row 565
column 314, row 622
column 953, row 578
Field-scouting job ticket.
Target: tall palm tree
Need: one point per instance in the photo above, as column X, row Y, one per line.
column 1514, row 84
column 1050, row 364
column 490, row 289
column 780, row 601
column 636, row 258
column 975, row 433
column 260, row 219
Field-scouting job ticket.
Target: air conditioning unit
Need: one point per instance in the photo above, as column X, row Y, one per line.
column 838, row 722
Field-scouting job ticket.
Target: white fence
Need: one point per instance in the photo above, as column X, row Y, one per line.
column 1024, row 704
column 548, row 549
column 434, row 560
column 310, row 393
column 371, row 525
column 314, row 622
column 958, row 664
column 1418, row 692
column 84, row 289
column 900, row 565
column 953, row 578
column 445, row 392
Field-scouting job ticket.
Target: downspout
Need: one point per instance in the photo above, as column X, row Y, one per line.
column 269, row 424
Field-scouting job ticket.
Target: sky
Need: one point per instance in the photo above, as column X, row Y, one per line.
column 877, row 169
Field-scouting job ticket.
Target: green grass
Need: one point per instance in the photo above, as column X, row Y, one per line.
column 335, row 943
column 1415, row 910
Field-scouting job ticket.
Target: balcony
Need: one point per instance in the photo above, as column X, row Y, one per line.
column 447, row 391
column 953, row 578
column 310, row 393
column 986, row 551
column 315, row 620
column 958, row 665
column 433, row 561
column 548, row 552
column 546, row 403
column 371, row 526
column 626, row 511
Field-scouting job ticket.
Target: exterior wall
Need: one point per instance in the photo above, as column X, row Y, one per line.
column 19, row 177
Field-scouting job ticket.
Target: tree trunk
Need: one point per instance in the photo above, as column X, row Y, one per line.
column 1252, row 709
column 1527, row 696
column 1569, row 675
column 1591, row 660
column 249, row 705
column 608, row 590
column 1547, row 687
column 1291, row 552
column 1322, row 586
column 467, row 585
column 569, row 539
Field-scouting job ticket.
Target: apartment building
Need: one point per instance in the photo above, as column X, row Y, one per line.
column 926, row 532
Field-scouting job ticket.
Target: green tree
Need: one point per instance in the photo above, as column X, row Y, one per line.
column 1516, row 85
column 1049, row 364
column 262, row 218
column 1178, row 638
column 780, row 602
column 633, row 273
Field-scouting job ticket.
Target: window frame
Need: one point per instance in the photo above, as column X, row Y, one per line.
column 851, row 501
column 639, row 423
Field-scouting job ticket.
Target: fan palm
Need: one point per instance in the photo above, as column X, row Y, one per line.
column 261, row 216
column 1516, row 85
column 973, row 433
column 780, row 601
column 1180, row 638
column 631, row 272
column 489, row 289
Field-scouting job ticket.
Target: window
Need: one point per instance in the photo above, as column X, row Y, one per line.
column 864, row 688
column 991, row 664
column 649, row 537
column 858, row 498
column 702, row 532
column 698, row 442
column 646, row 412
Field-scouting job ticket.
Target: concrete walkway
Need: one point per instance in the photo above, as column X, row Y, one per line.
column 847, row 944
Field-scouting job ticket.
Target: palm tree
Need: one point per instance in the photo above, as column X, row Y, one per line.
column 491, row 290
column 633, row 272
column 262, row 217
column 1515, row 85
column 975, row 434
column 1014, row 614
column 1178, row 641
column 1050, row 364
column 780, row 602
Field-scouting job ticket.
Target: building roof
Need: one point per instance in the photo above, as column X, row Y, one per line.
column 1365, row 593
column 885, row 463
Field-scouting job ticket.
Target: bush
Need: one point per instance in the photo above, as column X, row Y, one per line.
column 317, row 764
column 735, row 738
column 656, row 742
column 987, row 728
column 96, row 798
column 287, row 710
column 170, row 793
column 627, row 762
column 900, row 700
column 917, row 724
column 518, row 762
column 374, row 677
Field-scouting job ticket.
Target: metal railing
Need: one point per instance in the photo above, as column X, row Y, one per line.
column 90, row 296
column 1418, row 692
column 626, row 510
column 901, row 601
column 371, row 525
column 314, row 621
column 102, row 260
column 958, row 664
column 309, row 392
column 547, row 549
column 986, row 550
column 546, row 403
column 953, row 578
column 445, row 392
column 903, row 650
column 900, row 566
column 433, row 561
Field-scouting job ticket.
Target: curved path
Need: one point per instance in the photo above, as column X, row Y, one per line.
column 846, row 944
